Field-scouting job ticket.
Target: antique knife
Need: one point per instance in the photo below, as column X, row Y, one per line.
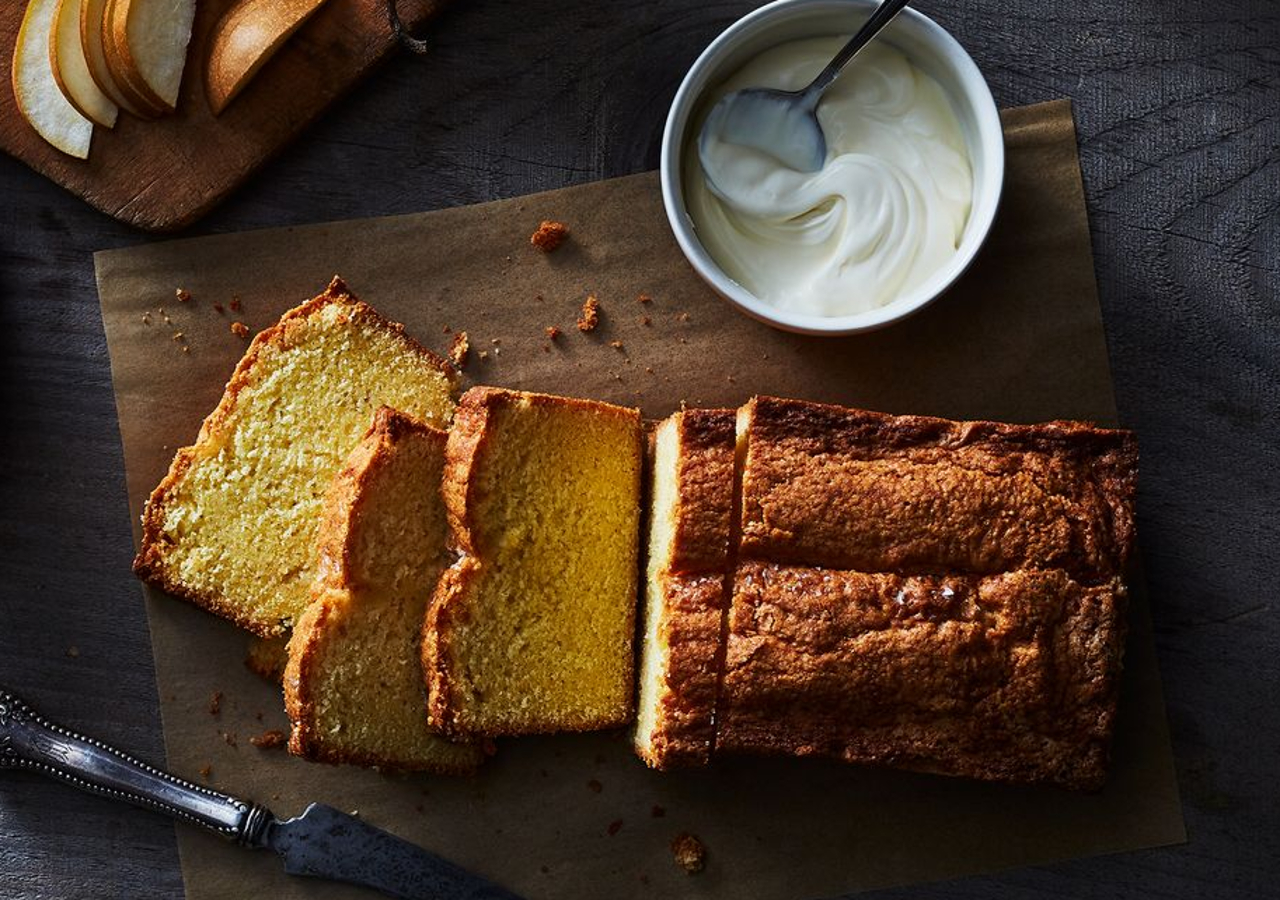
column 322, row 842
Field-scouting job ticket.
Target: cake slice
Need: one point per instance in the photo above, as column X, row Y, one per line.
column 690, row 504
column 531, row 629
column 936, row 595
column 233, row 525
column 353, row 686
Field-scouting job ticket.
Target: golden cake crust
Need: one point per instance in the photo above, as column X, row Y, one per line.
column 150, row 562
column 693, row 591
column 935, row 595
column 469, row 443
column 1010, row 677
column 847, row 488
column 339, row 573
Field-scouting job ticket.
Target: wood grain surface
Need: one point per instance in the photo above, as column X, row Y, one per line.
column 1176, row 105
column 163, row 174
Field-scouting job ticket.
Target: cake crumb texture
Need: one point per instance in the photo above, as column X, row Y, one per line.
column 531, row 629
column 232, row 526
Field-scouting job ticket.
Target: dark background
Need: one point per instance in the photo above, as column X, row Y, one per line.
column 1176, row 103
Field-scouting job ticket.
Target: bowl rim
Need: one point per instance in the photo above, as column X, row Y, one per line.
column 972, row 90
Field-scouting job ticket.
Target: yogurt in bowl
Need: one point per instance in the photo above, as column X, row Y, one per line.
column 912, row 178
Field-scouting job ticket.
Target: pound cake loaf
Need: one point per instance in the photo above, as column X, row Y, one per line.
column 353, row 687
column 531, row 629
column 944, row 596
column 690, row 505
column 232, row 527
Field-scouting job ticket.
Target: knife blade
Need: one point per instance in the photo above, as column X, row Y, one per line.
column 327, row 843
column 322, row 842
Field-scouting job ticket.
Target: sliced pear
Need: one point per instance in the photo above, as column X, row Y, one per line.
column 124, row 69
column 71, row 68
column 40, row 100
column 151, row 38
column 95, row 54
column 245, row 38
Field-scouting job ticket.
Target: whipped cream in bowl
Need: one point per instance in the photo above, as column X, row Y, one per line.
column 902, row 203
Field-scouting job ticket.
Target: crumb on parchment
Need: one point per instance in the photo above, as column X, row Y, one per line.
column 549, row 235
column 552, row 332
column 590, row 317
column 240, row 330
column 269, row 739
column 215, row 703
column 458, row 350
column 182, row 294
column 689, row 853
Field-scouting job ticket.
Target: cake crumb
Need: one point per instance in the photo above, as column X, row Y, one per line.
column 616, row 345
column 73, row 651
column 644, row 298
column 552, row 332
column 595, row 786
column 590, row 317
column 230, row 739
column 657, row 812
column 206, row 770
column 683, row 317
column 186, row 349
column 235, row 304
column 458, row 349
column 179, row 336
column 549, row 235
column 645, row 320
column 614, row 827
column 215, row 703
column 269, row 740
column 182, row 294
column 484, row 354
column 689, row 853
column 146, row 318
column 239, row 329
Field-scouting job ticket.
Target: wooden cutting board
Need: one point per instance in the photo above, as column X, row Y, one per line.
column 164, row 174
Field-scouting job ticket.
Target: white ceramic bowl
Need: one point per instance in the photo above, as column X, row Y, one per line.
column 929, row 47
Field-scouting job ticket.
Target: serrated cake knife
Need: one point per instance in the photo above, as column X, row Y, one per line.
column 322, row 842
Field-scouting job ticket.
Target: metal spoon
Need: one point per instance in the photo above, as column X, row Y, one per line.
column 784, row 124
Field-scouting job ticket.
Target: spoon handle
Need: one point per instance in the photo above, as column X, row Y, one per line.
column 881, row 17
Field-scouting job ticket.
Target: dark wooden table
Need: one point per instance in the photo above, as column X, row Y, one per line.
column 1177, row 105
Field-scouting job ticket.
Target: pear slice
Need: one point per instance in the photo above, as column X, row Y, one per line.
column 92, row 13
column 150, row 39
column 124, row 69
column 245, row 38
column 71, row 67
column 40, row 100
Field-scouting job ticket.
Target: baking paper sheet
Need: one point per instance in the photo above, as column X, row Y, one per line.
column 1019, row 339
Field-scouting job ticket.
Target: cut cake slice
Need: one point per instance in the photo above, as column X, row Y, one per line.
column 353, row 687
column 691, row 495
column 531, row 630
column 233, row 525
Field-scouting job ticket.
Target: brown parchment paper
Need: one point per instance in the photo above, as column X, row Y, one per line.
column 1019, row 339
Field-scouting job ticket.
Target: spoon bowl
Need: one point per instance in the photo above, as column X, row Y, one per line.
column 784, row 124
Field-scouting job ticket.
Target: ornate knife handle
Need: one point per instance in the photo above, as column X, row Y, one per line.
column 28, row 741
